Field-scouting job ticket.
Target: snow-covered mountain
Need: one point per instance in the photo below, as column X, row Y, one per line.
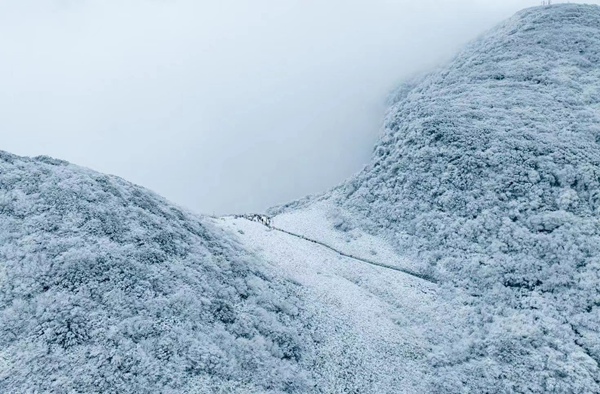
column 489, row 172
column 487, row 177
column 464, row 258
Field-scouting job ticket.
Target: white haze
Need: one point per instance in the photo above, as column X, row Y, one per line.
column 222, row 106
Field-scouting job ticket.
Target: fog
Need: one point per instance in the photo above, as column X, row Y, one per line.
column 221, row 106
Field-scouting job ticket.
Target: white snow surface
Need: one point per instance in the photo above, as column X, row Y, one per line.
column 326, row 222
column 376, row 325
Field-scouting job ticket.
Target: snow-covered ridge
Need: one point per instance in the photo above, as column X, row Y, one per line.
column 488, row 173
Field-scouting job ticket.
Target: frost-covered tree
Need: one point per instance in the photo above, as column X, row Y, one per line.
column 107, row 288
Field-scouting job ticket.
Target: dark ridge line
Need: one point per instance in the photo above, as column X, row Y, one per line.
column 265, row 221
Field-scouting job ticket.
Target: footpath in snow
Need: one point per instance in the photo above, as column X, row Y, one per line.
column 376, row 323
column 266, row 221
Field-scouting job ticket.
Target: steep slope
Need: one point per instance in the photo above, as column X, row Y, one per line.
column 375, row 324
column 488, row 176
column 105, row 287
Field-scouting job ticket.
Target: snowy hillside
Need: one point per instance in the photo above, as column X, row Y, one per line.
column 376, row 325
column 488, row 178
column 105, row 287
column 465, row 258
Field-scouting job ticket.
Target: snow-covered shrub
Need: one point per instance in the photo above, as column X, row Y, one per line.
column 105, row 287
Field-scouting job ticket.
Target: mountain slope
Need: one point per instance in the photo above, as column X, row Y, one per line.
column 105, row 287
column 376, row 324
column 488, row 176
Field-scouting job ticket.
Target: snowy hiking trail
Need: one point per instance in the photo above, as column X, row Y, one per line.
column 360, row 259
column 369, row 317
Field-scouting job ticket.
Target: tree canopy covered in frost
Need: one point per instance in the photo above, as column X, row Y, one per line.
column 489, row 172
column 105, row 287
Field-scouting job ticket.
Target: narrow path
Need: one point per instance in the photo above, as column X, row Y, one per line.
column 267, row 223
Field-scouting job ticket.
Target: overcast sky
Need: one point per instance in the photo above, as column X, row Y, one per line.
column 221, row 106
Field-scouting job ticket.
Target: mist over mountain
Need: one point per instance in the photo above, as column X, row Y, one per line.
column 464, row 258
